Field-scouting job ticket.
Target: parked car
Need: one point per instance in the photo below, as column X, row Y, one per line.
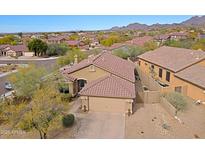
column 8, row 86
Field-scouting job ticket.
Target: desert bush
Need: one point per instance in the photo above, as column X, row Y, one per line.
column 68, row 120
column 177, row 100
column 66, row 97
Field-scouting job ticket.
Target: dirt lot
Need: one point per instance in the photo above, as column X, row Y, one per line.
column 152, row 121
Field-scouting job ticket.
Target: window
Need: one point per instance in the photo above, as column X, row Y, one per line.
column 152, row 66
column 178, row 89
column 168, row 76
column 160, row 72
column 139, row 62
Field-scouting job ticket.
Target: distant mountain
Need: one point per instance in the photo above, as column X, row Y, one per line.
column 194, row 21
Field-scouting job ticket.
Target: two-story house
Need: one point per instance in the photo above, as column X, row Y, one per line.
column 183, row 70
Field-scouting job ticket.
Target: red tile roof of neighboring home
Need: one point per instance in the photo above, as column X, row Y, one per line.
column 108, row 62
column 73, row 42
column 110, row 86
column 162, row 37
column 57, row 38
column 194, row 74
column 17, row 48
column 174, row 59
column 140, row 41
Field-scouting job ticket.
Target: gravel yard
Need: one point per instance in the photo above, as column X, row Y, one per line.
column 152, row 121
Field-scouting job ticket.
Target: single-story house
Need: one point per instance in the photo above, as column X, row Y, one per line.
column 183, row 70
column 57, row 39
column 13, row 50
column 140, row 41
column 105, row 83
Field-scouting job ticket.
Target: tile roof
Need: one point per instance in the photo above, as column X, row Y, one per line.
column 108, row 62
column 174, row 59
column 17, row 48
column 194, row 74
column 110, row 86
column 140, row 40
column 73, row 42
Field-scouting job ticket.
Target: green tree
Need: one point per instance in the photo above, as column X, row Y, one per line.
column 74, row 36
column 37, row 46
column 20, row 34
column 57, row 49
column 43, row 113
column 8, row 39
column 27, row 80
column 151, row 45
column 70, row 57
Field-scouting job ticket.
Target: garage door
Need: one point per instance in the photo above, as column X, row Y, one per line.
column 113, row 105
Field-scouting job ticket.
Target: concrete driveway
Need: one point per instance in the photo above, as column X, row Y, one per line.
column 100, row 125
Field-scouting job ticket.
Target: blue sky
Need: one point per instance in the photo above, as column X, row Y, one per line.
column 65, row 23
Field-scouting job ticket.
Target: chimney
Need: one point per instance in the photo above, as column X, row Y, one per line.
column 75, row 59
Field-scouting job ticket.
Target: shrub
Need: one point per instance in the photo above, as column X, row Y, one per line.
column 68, row 120
column 66, row 97
column 177, row 100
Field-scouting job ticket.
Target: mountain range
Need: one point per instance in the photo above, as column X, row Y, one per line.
column 195, row 21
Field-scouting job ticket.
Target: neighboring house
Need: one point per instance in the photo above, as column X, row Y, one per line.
column 105, row 83
column 140, row 41
column 73, row 43
column 178, row 36
column 160, row 39
column 13, row 50
column 183, row 70
column 57, row 39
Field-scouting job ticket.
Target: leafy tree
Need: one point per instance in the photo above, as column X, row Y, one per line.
column 38, row 47
column 187, row 43
column 57, row 49
column 131, row 51
column 43, row 113
column 70, row 57
column 20, row 34
column 199, row 45
column 177, row 100
column 151, row 45
column 8, row 39
column 74, row 36
column 27, row 80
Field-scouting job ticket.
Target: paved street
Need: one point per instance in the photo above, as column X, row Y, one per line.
column 49, row 64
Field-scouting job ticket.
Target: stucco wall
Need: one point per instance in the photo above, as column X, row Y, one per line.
column 105, row 104
column 88, row 74
column 188, row 89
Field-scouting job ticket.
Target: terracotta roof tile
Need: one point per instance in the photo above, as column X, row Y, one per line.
column 110, row 86
column 174, row 59
column 108, row 62
column 194, row 74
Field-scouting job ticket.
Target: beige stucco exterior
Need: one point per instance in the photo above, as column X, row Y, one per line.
column 89, row 73
column 107, row 104
column 187, row 88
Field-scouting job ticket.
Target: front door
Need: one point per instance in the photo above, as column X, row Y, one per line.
column 81, row 84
